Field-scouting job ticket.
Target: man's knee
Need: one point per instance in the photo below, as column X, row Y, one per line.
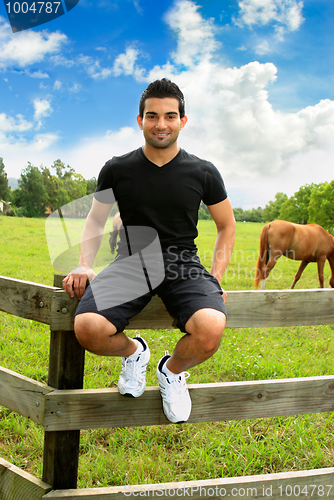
column 212, row 337
column 90, row 330
column 208, row 327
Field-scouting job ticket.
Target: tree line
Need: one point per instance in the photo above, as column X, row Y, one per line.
column 312, row 203
column 42, row 191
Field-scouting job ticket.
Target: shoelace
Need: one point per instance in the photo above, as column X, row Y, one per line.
column 178, row 387
column 132, row 368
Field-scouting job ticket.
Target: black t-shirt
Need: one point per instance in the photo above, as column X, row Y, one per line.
column 165, row 198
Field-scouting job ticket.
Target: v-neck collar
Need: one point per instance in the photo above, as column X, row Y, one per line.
column 154, row 164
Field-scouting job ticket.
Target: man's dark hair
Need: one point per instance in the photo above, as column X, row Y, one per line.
column 161, row 89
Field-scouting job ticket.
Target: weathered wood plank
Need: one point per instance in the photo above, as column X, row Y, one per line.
column 245, row 309
column 66, row 371
column 62, row 311
column 61, row 449
column 309, row 485
column 280, row 308
column 103, row 408
column 16, row 484
column 26, row 299
column 23, row 395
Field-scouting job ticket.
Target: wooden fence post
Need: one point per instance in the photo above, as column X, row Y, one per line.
column 66, row 371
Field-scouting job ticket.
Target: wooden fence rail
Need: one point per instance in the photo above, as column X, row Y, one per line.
column 64, row 408
column 246, row 309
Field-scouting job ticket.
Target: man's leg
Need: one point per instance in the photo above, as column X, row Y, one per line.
column 194, row 297
column 99, row 336
column 204, row 331
column 205, row 328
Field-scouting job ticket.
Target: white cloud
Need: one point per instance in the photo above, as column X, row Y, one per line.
column 27, row 47
column 12, row 134
column 42, row 142
column 37, row 74
column 76, row 87
column 93, row 67
column 231, row 121
column 125, row 63
column 42, row 110
column 17, row 152
column 10, row 124
column 284, row 15
column 60, row 60
column 195, row 35
column 262, row 48
column 89, row 156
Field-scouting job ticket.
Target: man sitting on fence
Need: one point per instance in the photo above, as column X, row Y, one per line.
column 158, row 186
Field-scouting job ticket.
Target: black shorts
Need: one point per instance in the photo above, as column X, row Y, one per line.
column 186, row 287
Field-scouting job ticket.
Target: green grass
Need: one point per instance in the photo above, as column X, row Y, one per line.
column 175, row 453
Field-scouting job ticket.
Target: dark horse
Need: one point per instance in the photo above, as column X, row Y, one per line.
column 309, row 243
column 116, row 225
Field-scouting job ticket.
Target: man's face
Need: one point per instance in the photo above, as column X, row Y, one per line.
column 161, row 122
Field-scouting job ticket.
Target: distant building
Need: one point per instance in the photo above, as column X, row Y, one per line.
column 4, row 205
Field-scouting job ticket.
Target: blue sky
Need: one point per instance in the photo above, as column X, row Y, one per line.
column 257, row 77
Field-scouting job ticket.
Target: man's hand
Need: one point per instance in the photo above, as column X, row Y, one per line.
column 224, row 295
column 76, row 281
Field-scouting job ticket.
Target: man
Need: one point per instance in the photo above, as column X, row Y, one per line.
column 158, row 186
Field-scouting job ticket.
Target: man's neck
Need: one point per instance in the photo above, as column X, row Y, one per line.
column 160, row 156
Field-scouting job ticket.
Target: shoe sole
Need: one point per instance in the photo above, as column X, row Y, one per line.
column 129, row 395
column 178, row 422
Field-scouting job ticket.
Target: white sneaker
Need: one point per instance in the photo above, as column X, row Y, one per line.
column 176, row 402
column 132, row 379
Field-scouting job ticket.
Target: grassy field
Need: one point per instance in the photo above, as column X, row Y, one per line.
column 174, row 453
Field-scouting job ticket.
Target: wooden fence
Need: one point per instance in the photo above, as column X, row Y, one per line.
column 63, row 407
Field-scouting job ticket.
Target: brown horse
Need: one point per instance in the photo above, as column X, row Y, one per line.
column 116, row 225
column 309, row 243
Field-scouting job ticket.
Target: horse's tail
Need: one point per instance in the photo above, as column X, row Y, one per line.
column 263, row 256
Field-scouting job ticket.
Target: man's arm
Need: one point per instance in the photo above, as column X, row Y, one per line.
column 222, row 214
column 91, row 238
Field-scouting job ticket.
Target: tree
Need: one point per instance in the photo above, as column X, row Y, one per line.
column 33, row 194
column 238, row 213
column 203, row 213
column 296, row 208
column 251, row 215
column 57, row 195
column 321, row 208
column 91, row 185
column 272, row 210
column 74, row 184
column 4, row 188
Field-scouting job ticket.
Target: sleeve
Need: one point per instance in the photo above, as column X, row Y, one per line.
column 214, row 190
column 104, row 189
